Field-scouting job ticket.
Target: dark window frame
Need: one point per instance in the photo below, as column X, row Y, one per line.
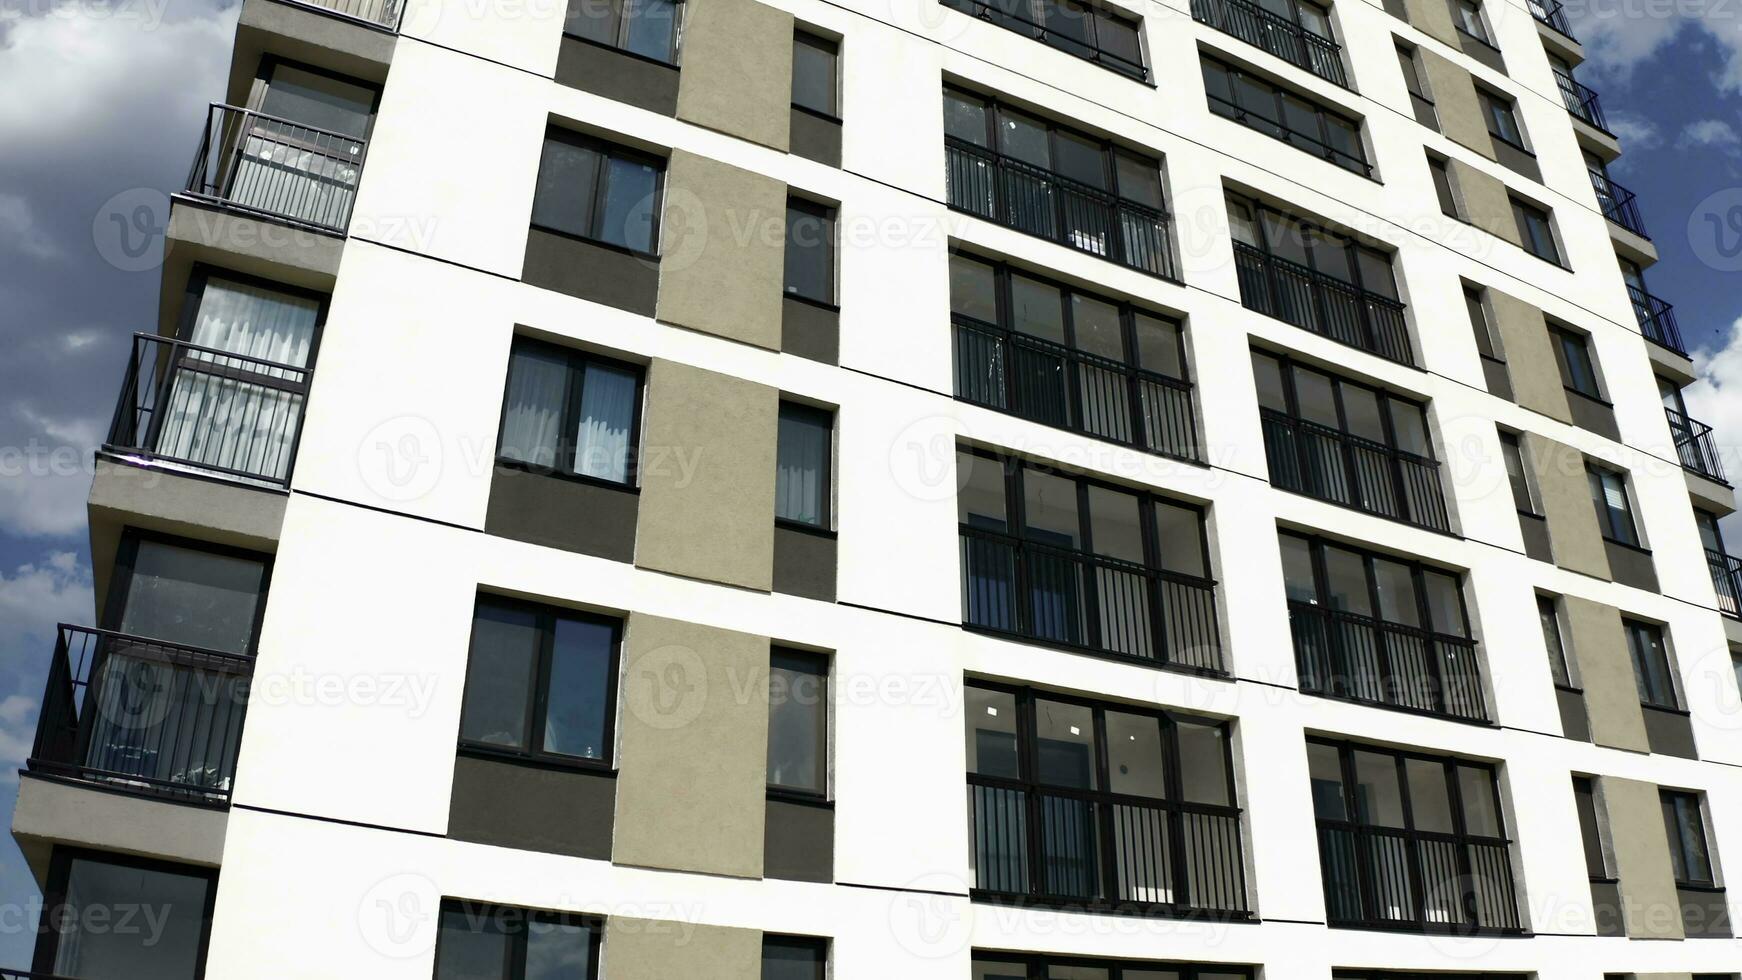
column 574, row 384
column 607, row 150
column 820, row 666
column 1527, row 215
column 825, row 526
column 1238, row 112
column 1643, row 640
column 1586, row 788
column 1629, row 536
column 1446, row 187
column 515, row 967
column 1491, row 103
column 1037, row 966
column 48, row 936
column 832, row 47
column 1562, row 337
column 1486, row 35
column 1532, row 493
column 1488, row 343
column 829, row 217
column 817, row 946
column 1092, row 51
column 127, row 555
column 679, row 13
column 1681, row 850
column 1548, row 613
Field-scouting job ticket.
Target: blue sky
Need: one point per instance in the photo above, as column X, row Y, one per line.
column 131, row 78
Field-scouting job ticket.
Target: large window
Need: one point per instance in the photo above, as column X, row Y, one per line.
column 487, row 942
column 1260, row 104
column 1689, row 850
column 1380, row 630
column 798, row 722
column 1103, row 805
column 1501, row 114
column 1482, row 324
column 541, row 683
column 1536, row 230
column 1548, row 612
column 598, row 191
column 1067, row 560
column 1471, row 21
column 1297, row 31
column 1086, row 30
column 1014, row 966
column 1441, row 172
column 1524, row 496
column 1652, row 673
column 810, row 251
column 1411, row 841
column 1060, row 356
column 816, row 65
column 1348, row 443
column 794, row 958
column 1591, row 830
column 1614, row 505
column 648, row 28
column 570, row 412
column 1578, row 368
column 803, row 458
column 84, row 934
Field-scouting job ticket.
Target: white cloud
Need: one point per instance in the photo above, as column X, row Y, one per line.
column 18, row 226
column 1637, row 132
column 1621, row 35
column 45, row 477
column 1708, row 133
column 17, row 734
column 1716, row 400
column 37, row 596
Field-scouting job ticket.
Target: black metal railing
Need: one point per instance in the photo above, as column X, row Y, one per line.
column 1322, row 304
column 1695, row 446
column 1618, row 204
column 1361, row 658
column 1276, row 34
column 1078, row 848
column 1302, row 134
column 1727, row 580
column 277, row 168
column 1005, row 16
column 1657, row 320
column 1581, row 100
column 377, row 13
column 1091, row 602
column 1039, row 202
column 1550, row 12
column 144, row 715
column 1383, row 878
column 1342, row 468
column 207, row 408
column 1055, row 385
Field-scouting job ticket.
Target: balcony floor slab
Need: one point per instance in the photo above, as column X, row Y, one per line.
column 54, row 812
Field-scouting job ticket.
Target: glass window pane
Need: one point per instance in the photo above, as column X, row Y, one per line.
column 577, row 721
column 1378, row 798
column 980, row 502
column 255, row 321
column 1037, row 309
column 1023, row 138
column 602, row 435
column 1115, row 529
column 567, row 176
column 810, row 253
column 1486, row 344
column 1134, row 755
column 991, row 733
column 652, row 28
column 1346, row 578
column 1409, row 427
column 1272, row 394
column 1118, row 37
column 1059, row 971
column 1444, row 604
column 801, row 485
column 1325, row 769
column 813, row 74
column 1316, row 398
column 1548, row 612
column 1522, row 495
column 499, row 675
column 1219, row 85
column 1097, row 327
column 1397, row 598
column 1080, row 159
column 1481, row 816
column 557, row 950
column 990, row 969
column 1203, row 763
column 1376, row 274
column 794, row 959
column 1050, row 509
column 1430, row 802
column 1158, row 345
column 319, row 101
column 472, row 945
column 1297, row 569
column 628, row 205
column 595, row 20
column 1179, row 533
column 538, row 379
column 965, row 117
column 1361, row 413
column 1139, row 179
column 1590, row 830
column 163, row 945
column 1064, row 744
column 798, row 722
column 973, row 289
column 192, row 596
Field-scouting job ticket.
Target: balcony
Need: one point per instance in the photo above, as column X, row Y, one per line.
column 385, row 14
column 1694, row 444
column 1550, row 12
column 209, row 410
column 1727, row 581
column 1581, row 100
column 1275, row 34
column 1657, row 320
column 1342, row 468
column 1054, row 385
column 274, row 168
column 1327, row 306
column 1618, row 204
column 1360, row 658
column 1080, row 36
column 1039, row 202
column 1094, row 603
column 1415, row 880
column 144, row 716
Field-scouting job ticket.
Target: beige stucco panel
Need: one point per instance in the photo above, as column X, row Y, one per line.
column 1566, row 503
column 1485, row 202
column 737, row 70
column 1649, row 902
column 653, row 949
column 693, row 765
column 1433, row 18
column 707, row 477
column 723, row 251
column 1530, row 359
column 1606, row 674
column 1454, row 95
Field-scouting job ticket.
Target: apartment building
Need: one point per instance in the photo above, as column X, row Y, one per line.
column 963, row 489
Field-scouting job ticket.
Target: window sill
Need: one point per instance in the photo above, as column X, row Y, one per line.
column 1666, row 709
column 625, row 52
column 821, row 802
column 816, row 113
column 1568, row 688
column 1520, row 147
column 1640, row 549
column 821, row 304
column 1598, row 399
column 598, row 767
column 803, row 528
column 610, row 246
column 533, row 469
column 1490, row 45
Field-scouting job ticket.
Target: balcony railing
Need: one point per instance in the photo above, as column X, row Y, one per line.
column 1361, row 658
column 210, row 409
column 1383, row 878
column 1694, row 443
column 1324, row 305
column 1551, row 13
column 1090, row 602
column 1039, row 202
column 1618, row 204
column 1055, row 385
column 1657, row 320
column 1073, row 848
column 1004, row 15
column 1727, row 580
column 1276, row 34
column 376, row 13
column 1581, row 100
column 276, row 168
column 1342, row 468
column 133, row 713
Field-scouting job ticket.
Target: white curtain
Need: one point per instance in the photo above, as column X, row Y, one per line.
column 537, row 380
column 607, row 411
column 801, row 467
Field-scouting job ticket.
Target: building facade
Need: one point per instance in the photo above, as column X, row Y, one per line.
column 964, row 489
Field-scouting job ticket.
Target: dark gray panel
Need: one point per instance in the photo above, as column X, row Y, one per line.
column 1606, row 903
column 804, row 563
column 816, row 138
column 799, row 841
column 1396, row 9
column 641, row 83
column 1499, row 381
column 1704, row 913
column 1424, row 112
column 1536, row 539
column 1592, row 415
column 1486, row 53
column 560, row 513
column 533, row 808
column 1669, row 732
column 589, row 271
column 1523, row 161
column 1574, row 723
column 810, row 331
column 1630, row 566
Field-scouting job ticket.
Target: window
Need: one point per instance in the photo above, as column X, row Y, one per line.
column 486, row 942
column 1589, row 806
column 1685, row 824
column 1074, row 764
column 1016, row 966
column 1548, row 610
column 188, row 593
column 810, row 251
column 541, row 682
column 1651, row 670
column 1523, row 490
column 84, row 933
column 794, row 958
column 1470, row 21
column 570, row 412
column 798, row 722
column 1487, row 341
column 1099, row 561
column 1260, row 104
column 1085, row 30
column 1379, row 810
column 1502, row 117
column 1536, row 230
column 804, row 457
column 1578, row 367
column 1353, row 613
column 1407, row 62
column 816, row 74
column 1061, row 356
column 598, row 191
column 648, row 28
column 1442, row 175
column 1614, row 505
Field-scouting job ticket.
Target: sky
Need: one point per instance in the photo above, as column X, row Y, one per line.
column 82, row 182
